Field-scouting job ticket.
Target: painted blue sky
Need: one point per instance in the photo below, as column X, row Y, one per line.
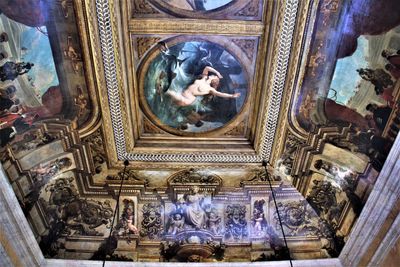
column 39, row 52
column 213, row 4
column 345, row 78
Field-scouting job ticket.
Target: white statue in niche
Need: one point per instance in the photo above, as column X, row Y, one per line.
column 194, row 213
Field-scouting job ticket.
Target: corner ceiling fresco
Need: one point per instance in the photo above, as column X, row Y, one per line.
column 185, row 91
column 41, row 69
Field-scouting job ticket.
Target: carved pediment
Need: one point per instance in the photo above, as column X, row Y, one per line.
column 193, row 176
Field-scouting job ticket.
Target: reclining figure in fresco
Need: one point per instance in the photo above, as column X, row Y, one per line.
column 11, row 70
column 206, row 85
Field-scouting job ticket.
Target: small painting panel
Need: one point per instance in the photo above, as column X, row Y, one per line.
column 41, row 154
column 31, row 141
column 37, row 220
column 17, row 192
column 12, row 172
column 25, row 185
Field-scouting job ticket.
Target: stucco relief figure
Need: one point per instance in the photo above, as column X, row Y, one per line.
column 258, row 220
column 214, row 222
column 236, row 225
column 126, row 223
column 339, row 174
column 195, row 215
column 176, row 223
column 130, row 227
column 323, row 199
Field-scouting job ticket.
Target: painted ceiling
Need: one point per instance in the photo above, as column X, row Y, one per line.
column 195, row 95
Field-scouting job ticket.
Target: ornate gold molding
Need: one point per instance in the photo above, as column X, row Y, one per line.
column 226, row 27
column 84, row 29
column 300, row 51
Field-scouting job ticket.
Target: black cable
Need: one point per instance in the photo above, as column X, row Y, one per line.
column 126, row 163
column 264, row 163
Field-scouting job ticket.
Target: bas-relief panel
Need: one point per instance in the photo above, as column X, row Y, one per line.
column 41, row 68
column 199, row 9
column 190, row 209
column 194, row 84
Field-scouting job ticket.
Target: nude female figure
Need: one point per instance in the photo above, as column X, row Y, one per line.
column 207, row 84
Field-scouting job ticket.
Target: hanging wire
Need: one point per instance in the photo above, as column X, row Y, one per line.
column 126, row 163
column 265, row 163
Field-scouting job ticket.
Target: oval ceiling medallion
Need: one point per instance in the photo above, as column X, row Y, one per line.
column 192, row 86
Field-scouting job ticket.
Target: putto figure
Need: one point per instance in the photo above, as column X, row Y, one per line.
column 259, row 222
column 176, row 223
column 126, row 223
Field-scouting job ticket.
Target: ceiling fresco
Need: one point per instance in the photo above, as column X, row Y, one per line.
column 194, row 105
column 198, row 9
column 187, row 79
column 42, row 71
